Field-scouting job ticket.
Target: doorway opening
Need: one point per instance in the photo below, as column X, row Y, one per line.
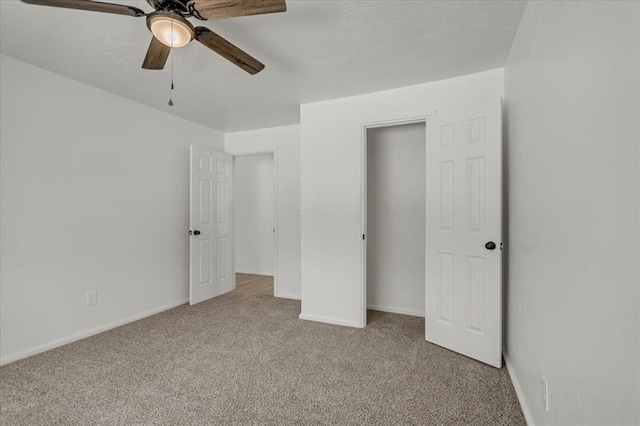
column 255, row 222
column 395, row 218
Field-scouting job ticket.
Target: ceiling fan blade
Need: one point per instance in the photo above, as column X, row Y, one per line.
column 93, row 6
column 227, row 50
column 157, row 55
column 230, row 8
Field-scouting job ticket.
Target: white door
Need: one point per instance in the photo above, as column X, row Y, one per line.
column 210, row 248
column 464, row 231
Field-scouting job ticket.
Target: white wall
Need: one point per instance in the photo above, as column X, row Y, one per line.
column 572, row 96
column 396, row 199
column 332, row 181
column 254, row 209
column 95, row 196
column 285, row 141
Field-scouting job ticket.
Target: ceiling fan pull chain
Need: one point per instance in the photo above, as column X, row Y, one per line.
column 171, row 90
column 172, row 37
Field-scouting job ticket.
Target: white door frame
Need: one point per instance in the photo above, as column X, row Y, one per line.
column 363, row 200
column 273, row 152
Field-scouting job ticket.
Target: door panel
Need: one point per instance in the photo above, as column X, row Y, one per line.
column 211, row 251
column 464, row 212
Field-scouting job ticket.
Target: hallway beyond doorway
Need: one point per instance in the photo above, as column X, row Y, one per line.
column 254, row 284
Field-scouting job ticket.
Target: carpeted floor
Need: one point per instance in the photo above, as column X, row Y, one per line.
column 244, row 359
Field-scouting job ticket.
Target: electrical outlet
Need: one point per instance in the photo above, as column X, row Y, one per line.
column 92, row 298
column 545, row 393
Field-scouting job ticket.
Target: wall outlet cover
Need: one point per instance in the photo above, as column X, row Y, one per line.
column 92, row 298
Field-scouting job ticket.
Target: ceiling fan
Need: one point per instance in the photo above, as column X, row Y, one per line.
column 171, row 29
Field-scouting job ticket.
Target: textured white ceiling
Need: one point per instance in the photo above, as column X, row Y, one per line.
column 317, row 50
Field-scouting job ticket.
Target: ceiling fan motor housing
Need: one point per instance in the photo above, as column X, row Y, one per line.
column 185, row 8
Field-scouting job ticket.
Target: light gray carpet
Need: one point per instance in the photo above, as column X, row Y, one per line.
column 241, row 359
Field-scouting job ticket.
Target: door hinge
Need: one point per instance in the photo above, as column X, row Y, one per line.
column 500, row 246
column 363, row 236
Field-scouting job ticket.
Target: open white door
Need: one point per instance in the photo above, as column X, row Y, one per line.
column 464, row 231
column 210, row 248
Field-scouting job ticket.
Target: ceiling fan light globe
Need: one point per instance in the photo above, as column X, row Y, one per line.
column 171, row 32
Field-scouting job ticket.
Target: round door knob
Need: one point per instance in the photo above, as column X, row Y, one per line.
column 490, row 245
column 196, row 232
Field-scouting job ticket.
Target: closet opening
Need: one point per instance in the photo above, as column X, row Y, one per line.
column 395, row 218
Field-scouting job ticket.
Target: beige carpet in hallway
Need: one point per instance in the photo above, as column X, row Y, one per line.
column 243, row 359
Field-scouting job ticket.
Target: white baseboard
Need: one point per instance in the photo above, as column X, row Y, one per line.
column 288, row 296
column 519, row 393
column 329, row 320
column 396, row 310
column 263, row 273
column 84, row 334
